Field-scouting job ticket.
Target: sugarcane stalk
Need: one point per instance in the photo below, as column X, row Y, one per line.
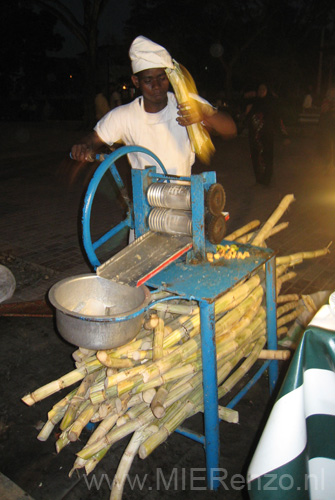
column 127, row 349
column 127, row 459
column 276, row 229
column 281, row 355
column 107, row 407
column 82, row 354
column 228, row 415
column 287, row 298
column 289, row 317
column 245, row 238
column 64, row 381
column 61, row 406
column 199, row 137
column 157, row 404
column 125, row 386
column 227, row 321
column 283, row 279
column 187, row 329
column 182, row 309
column 287, row 259
column 282, row 331
column 105, row 426
column 141, row 355
column 248, row 237
column 288, row 306
column 62, row 441
column 122, row 375
column 55, row 415
column 81, row 421
column 229, row 383
column 164, row 364
column 148, row 395
column 46, row 430
column 91, row 463
column 151, row 323
column 113, row 362
column 247, row 318
column 170, row 422
column 79, row 397
column 273, row 219
column 134, row 412
column 243, row 230
column 158, row 338
column 101, row 395
column 135, row 399
column 116, row 434
column 86, row 361
column 174, row 373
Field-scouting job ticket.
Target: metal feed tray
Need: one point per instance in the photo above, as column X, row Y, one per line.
column 144, row 258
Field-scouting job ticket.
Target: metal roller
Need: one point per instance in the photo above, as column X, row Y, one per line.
column 167, row 220
column 178, row 197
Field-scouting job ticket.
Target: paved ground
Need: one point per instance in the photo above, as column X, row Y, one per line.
column 39, row 237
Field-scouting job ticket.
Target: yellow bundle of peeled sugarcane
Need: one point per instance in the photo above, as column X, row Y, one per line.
column 186, row 93
column 149, row 386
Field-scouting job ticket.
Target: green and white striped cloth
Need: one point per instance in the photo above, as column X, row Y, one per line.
column 295, row 457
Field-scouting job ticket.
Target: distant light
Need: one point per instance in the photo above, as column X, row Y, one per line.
column 206, row 68
column 124, row 87
column 70, row 77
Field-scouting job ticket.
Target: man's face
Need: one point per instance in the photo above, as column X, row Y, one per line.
column 154, row 85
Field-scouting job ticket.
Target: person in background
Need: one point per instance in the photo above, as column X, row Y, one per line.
column 307, row 104
column 326, row 130
column 263, row 122
column 154, row 120
column 101, row 104
column 115, row 96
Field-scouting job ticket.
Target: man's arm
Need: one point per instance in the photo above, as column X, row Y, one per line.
column 91, row 144
column 222, row 123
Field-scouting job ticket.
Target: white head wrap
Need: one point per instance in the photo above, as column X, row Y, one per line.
column 145, row 54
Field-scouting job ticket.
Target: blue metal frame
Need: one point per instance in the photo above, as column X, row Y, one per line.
column 205, row 283
column 141, row 179
column 108, row 164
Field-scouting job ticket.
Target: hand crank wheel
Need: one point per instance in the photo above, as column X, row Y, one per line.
column 109, row 165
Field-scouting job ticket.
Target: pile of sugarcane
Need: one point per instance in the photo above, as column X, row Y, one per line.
column 149, row 386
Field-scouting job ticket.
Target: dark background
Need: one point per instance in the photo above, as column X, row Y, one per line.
column 56, row 54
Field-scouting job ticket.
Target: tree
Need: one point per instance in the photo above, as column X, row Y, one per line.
column 207, row 37
column 87, row 34
column 226, row 42
column 25, row 64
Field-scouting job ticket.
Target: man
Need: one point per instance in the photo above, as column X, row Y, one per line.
column 263, row 122
column 154, row 120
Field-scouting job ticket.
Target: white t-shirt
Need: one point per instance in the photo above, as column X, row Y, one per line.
column 159, row 132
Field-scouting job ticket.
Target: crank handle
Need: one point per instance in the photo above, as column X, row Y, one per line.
column 91, row 157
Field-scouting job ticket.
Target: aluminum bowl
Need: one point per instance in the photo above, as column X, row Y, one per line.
column 97, row 313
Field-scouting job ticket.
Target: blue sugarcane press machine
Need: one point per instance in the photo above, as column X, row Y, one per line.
column 174, row 227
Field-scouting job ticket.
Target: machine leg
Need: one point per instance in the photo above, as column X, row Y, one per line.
column 212, row 438
column 271, row 317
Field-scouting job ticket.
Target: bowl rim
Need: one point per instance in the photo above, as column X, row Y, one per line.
column 116, row 318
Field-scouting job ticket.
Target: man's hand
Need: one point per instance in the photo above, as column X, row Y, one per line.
column 188, row 114
column 81, row 152
column 86, row 150
column 194, row 112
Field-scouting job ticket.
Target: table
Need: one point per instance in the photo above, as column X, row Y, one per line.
column 295, row 457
